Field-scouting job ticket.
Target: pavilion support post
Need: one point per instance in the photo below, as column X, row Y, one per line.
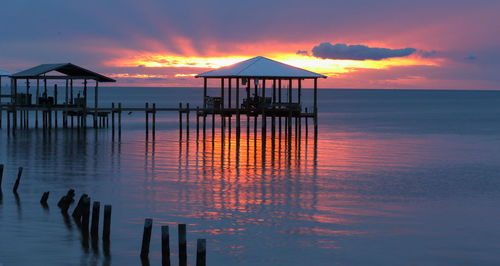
column 14, row 100
column 187, row 120
column 119, row 121
column 299, row 95
column 229, row 93
column 71, row 99
column 222, row 119
column 222, row 95
column 204, row 126
column 279, row 90
column 55, row 94
column 26, row 121
column 45, row 89
column 256, row 87
column 96, row 103
column 180, row 121
column 146, row 112
column 154, row 121
column 213, row 127
column 238, row 125
column 37, row 101
column 197, row 123
column 65, row 112
column 113, row 121
column 315, row 107
column 274, row 90
column 204, row 94
column 248, row 93
column 55, row 103
column 84, row 115
column 290, row 91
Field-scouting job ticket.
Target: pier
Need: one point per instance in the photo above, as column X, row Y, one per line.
column 258, row 90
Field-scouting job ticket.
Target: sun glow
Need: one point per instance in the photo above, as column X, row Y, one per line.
column 327, row 67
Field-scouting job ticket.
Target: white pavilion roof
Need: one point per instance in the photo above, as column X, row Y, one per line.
column 260, row 67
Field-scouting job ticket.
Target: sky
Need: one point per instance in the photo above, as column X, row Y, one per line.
column 383, row 44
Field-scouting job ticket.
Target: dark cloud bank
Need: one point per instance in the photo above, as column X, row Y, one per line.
column 357, row 52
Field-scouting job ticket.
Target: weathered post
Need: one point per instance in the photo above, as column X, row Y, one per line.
column 154, row 121
column 18, row 179
column 44, row 198
column 165, row 246
column 78, row 211
column 66, row 201
column 146, row 112
column 113, row 120
column 187, row 119
column 146, row 238
column 197, row 122
column 94, row 228
column 1, row 173
column 201, row 252
column 85, row 215
column 182, row 245
column 307, row 124
column 106, row 227
column 180, row 121
column 119, row 121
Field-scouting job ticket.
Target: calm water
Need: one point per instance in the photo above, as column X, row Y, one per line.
column 396, row 178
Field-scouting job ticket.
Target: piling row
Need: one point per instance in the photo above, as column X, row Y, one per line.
column 165, row 245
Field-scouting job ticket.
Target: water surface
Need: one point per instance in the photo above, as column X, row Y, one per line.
column 395, row 177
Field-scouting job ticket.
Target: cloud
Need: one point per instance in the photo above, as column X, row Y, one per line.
column 357, row 52
column 470, row 58
column 302, row 52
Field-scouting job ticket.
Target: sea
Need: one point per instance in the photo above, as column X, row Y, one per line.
column 392, row 177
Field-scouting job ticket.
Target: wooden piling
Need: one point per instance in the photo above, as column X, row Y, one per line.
column 146, row 237
column 180, row 121
column 165, row 246
column 1, row 173
column 44, row 198
column 197, row 122
column 113, row 120
column 119, row 120
column 78, row 211
column 182, row 245
column 147, row 119
column 154, row 121
column 66, row 201
column 106, row 223
column 201, row 252
column 18, row 179
column 187, row 119
column 94, row 228
column 85, row 214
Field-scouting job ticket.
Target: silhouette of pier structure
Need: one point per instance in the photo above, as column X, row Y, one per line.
column 255, row 89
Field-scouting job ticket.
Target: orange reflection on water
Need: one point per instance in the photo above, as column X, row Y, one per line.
column 293, row 177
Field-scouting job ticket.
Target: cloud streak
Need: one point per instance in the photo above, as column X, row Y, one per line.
column 357, row 52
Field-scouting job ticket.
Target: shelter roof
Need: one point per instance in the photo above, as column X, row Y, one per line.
column 68, row 69
column 260, row 67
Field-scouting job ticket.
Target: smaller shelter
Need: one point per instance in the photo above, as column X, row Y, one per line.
column 70, row 72
column 63, row 71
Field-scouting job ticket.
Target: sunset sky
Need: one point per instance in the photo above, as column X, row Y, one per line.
column 397, row 44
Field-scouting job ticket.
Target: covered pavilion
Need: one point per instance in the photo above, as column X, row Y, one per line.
column 262, row 71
